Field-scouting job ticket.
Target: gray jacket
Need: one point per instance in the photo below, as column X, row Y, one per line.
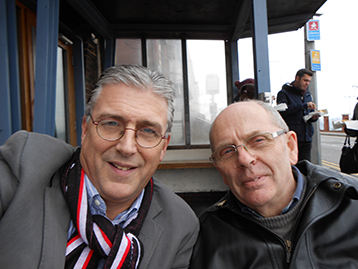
column 34, row 217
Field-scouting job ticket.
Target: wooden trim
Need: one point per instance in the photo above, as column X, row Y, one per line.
column 189, row 147
column 26, row 22
column 182, row 165
column 70, row 83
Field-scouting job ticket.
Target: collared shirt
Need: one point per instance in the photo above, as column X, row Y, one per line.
column 98, row 207
column 297, row 195
column 295, row 198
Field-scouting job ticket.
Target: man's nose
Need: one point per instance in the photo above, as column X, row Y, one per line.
column 127, row 145
column 244, row 157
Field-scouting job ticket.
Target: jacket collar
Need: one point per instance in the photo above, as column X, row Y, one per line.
column 290, row 87
column 151, row 231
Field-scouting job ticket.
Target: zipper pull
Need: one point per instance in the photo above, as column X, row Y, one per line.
column 288, row 249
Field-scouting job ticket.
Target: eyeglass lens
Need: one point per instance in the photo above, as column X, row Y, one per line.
column 112, row 130
column 254, row 145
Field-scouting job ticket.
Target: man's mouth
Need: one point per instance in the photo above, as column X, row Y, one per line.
column 252, row 180
column 121, row 167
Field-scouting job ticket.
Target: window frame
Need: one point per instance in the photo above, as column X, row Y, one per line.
column 202, row 151
column 70, row 101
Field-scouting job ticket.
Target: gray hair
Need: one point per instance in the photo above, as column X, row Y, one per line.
column 138, row 77
column 275, row 116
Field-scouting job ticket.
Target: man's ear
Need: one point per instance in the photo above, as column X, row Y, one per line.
column 292, row 146
column 165, row 146
column 84, row 128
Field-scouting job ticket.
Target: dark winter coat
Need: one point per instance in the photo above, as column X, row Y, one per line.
column 297, row 109
column 325, row 233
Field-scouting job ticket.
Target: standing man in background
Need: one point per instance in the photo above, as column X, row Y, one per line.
column 299, row 103
column 355, row 112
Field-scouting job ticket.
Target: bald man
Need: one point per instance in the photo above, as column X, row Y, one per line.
column 277, row 214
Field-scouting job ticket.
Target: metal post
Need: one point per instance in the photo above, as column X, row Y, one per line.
column 316, row 139
column 260, row 48
column 46, row 66
column 232, row 67
column 80, row 89
column 5, row 119
column 14, row 77
column 186, row 91
column 109, row 46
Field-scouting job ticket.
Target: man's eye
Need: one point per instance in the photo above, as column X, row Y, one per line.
column 110, row 123
column 148, row 132
column 257, row 141
column 227, row 151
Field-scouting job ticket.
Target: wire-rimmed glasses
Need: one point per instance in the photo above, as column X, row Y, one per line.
column 113, row 130
column 254, row 145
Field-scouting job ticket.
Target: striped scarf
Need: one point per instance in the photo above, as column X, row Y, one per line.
column 95, row 237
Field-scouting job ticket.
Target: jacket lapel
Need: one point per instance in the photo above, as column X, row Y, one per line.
column 151, row 233
column 56, row 224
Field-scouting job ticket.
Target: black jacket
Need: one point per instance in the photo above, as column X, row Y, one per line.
column 325, row 234
column 355, row 112
column 297, row 109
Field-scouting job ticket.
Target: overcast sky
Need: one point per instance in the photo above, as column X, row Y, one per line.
column 337, row 82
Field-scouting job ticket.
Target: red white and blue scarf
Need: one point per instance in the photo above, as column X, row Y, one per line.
column 96, row 237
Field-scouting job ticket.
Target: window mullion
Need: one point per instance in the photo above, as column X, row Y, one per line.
column 144, row 52
column 186, row 93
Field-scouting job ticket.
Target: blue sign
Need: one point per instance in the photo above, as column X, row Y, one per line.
column 313, row 30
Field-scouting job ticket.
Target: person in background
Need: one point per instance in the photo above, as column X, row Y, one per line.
column 277, row 214
column 298, row 99
column 355, row 112
column 246, row 89
column 98, row 206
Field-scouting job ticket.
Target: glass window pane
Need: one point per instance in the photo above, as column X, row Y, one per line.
column 128, row 51
column 165, row 56
column 60, row 107
column 207, row 86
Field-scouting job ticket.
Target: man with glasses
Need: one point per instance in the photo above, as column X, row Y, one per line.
column 98, row 206
column 276, row 214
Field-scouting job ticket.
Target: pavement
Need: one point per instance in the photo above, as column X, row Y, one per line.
column 334, row 133
column 332, row 165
